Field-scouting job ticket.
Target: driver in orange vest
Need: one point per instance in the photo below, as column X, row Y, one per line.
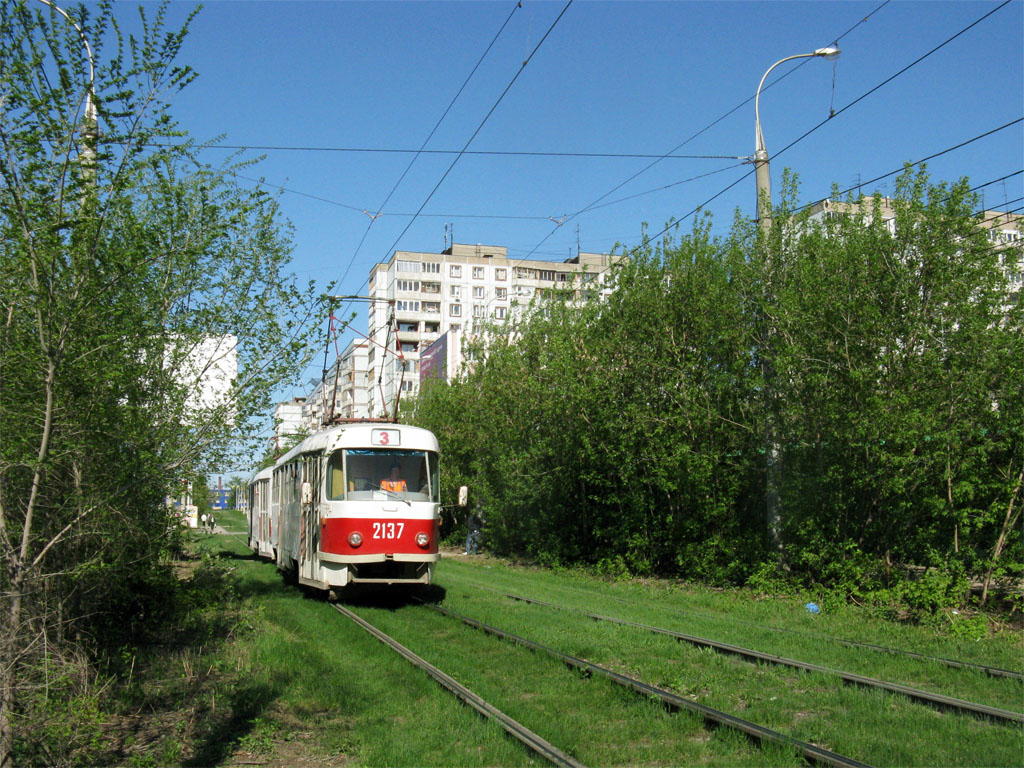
column 394, row 483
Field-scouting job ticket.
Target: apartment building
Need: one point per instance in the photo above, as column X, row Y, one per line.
column 343, row 392
column 288, row 418
column 1002, row 228
column 455, row 294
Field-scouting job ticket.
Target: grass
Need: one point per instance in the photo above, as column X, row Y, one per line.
column 872, row 726
column 276, row 677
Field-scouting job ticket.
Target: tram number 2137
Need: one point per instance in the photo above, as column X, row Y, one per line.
column 388, row 530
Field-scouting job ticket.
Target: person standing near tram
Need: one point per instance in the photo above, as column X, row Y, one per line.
column 474, row 524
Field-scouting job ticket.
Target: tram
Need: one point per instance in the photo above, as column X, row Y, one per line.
column 262, row 527
column 356, row 503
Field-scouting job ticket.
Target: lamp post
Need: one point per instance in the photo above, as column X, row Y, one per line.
column 89, row 125
column 762, row 175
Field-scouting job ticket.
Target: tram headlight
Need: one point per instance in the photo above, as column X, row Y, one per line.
column 422, row 539
column 355, row 539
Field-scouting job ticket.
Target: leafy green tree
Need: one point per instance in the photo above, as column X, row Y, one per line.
column 900, row 358
column 128, row 270
column 866, row 371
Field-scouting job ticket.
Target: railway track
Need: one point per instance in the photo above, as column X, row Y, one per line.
column 926, row 697
column 985, row 669
column 757, row 733
column 515, row 729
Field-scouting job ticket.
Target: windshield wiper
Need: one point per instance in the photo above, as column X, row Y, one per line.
column 394, row 494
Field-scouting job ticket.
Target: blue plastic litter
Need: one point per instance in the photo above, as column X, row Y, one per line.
column 812, row 608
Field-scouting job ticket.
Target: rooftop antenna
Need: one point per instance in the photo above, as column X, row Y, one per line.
column 577, row 239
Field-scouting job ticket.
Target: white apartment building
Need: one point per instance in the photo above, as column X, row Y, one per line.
column 288, row 419
column 343, row 392
column 457, row 292
column 1003, row 228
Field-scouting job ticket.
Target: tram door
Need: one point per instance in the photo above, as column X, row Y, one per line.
column 310, row 528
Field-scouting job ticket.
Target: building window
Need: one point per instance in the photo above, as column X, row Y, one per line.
column 431, row 267
column 500, row 273
column 408, row 266
column 524, row 290
column 526, row 272
column 433, row 307
column 478, row 310
column 455, row 291
column 430, row 327
column 407, row 285
column 478, row 273
column 431, row 287
column 563, row 277
column 547, row 274
column 455, row 270
column 455, row 327
column 478, row 291
column 501, row 293
column 407, row 306
column 455, row 310
column 408, row 386
column 500, row 313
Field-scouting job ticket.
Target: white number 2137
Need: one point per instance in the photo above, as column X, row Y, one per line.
column 388, row 530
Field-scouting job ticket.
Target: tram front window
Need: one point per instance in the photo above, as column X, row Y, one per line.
column 358, row 474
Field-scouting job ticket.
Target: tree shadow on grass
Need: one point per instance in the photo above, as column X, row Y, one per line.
column 227, row 727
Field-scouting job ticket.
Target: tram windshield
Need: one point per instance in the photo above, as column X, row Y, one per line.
column 366, row 474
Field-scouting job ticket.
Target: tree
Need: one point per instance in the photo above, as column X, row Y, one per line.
column 123, row 259
column 885, row 360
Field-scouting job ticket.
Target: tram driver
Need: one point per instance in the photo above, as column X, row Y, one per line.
column 394, row 483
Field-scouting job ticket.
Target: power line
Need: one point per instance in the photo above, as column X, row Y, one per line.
column 710, row 125
column 932, row 157
column 483, row 122
column 474, row 134
column 477, row 152
column 423, row 146
column 843, row 109
column 888, row 80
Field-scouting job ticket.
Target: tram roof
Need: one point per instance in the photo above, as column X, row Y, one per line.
column 263, row 474
column 359, row 436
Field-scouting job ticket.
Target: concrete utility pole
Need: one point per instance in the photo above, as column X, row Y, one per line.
column 89, row 124
column 764, row 215
column 762, row 175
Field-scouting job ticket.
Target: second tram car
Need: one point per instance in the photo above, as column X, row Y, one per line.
column 356, row 503
column 262, row 527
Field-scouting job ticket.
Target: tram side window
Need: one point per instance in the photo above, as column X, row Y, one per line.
column 336, row 476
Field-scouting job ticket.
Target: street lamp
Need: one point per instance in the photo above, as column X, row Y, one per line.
column 764, row 181
column 90, row 124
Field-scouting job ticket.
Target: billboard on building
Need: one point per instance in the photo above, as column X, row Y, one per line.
column 434, row 361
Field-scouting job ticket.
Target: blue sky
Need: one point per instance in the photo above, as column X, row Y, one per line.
column 611, row 78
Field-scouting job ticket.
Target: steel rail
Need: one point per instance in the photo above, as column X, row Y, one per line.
column 954, row 663
column 935, row 699
column 759, row 733
column 517, row 730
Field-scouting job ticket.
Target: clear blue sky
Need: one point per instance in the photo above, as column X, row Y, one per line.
column 612, row 78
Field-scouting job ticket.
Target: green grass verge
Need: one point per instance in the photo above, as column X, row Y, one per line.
column 872, row 726
column 275, row 677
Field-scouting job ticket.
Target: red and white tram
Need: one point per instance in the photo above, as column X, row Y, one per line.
column 356, row 503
